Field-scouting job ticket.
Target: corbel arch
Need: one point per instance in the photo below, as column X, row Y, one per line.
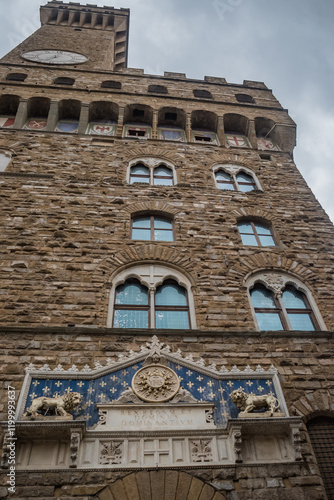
column 165, row 483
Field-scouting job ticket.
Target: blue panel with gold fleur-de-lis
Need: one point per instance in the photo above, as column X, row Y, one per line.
column 107, row 388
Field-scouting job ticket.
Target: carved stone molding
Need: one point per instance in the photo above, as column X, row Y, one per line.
column 75, row 440
column 111, row 453
column 201, row 450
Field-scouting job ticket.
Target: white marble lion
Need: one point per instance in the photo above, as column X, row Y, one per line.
column 249, row 402
column 61, row 405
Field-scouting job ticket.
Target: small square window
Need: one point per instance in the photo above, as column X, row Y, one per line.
column 265, row 156
column 136, row 133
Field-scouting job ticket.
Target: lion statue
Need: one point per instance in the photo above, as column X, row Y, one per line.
column 61, row 405
column 249, row 402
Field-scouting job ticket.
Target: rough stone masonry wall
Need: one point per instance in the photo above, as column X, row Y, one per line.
column 305, row 366
column 280, row 482
column 66, row 229
column 135, row 82
column 64, row 236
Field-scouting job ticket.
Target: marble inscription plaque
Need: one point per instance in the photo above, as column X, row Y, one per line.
column 153, row 417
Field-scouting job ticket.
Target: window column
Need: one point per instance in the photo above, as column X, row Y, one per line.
column 120, row 123
column 53, row 116
column 188, row 127
column 252, row 134
column 155, row 125
column 221, row 130
column 84, row 118
column 22, row 114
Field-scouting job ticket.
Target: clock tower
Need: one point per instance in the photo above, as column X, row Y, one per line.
column 167, row 281
column 70, row 34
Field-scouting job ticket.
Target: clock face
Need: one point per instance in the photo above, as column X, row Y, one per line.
column 54, row 57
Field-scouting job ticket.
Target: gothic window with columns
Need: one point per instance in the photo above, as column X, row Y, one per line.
column 280, row 302
column 235, row 178
column 153, row 172
column 151, row 296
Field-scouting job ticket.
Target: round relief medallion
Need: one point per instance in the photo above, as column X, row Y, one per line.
column 155, row 383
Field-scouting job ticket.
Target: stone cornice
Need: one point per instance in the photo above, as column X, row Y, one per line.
column 95, row 331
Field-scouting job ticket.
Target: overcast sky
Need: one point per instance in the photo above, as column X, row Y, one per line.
column 288, row 44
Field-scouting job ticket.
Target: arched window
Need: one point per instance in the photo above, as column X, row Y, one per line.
column 152, row 228
column 224, row 180
column 236, row 131
column 158, row 89
column 171, row 306
column 288, row 310
column 111, row 84
column 162, row 176
column 131, row 309
column 255, row 234
column 202, row 94
column 321, row 432
column 139, row 173
column 8, row 108
column 244, row 98
column 151, row 296
column 152, row 171
column 138, row 120
column 64, row 80
column 16, row 77
column 245, row 182
column 231, row 178
column 298, row 310
column 267, row 309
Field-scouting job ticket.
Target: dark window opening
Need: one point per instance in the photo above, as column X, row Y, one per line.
column 265, row 156
column 204, row 94
column 158, row 89
column 76, row 18
column 244, row 98
column 110, row 20
column 136, row 133
column 138, row 113
column 202, row 138
column 170, row 116
column 16, row 77
column 65, row 16
column 99, row 20
column 88, row 18
column 63, row 80
column 110, row 84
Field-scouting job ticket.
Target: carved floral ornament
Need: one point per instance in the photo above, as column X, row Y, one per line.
column 274, row 281
column 155, row 383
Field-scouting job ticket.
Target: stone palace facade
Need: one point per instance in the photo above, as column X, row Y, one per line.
column 166, row 313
